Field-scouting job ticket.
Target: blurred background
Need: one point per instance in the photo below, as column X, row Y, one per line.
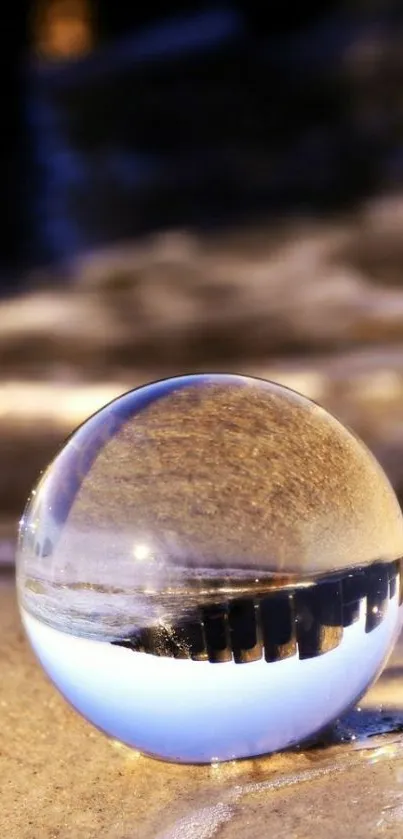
column 191, row 186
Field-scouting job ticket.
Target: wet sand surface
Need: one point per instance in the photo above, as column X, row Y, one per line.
column 61, row 779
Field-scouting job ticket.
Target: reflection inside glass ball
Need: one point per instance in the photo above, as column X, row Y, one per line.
column 210, row 568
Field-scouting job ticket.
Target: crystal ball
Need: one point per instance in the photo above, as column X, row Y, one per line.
column 210, row 568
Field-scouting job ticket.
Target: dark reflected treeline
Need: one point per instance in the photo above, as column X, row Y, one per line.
column 304, row 621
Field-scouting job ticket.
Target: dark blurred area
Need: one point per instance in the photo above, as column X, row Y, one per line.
column 147, row 116
column 192, row 186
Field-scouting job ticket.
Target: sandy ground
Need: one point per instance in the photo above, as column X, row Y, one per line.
column 60, row 779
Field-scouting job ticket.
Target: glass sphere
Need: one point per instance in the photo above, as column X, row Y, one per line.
column 210, row 568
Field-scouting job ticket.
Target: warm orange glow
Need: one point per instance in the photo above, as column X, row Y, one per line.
column 63, row 28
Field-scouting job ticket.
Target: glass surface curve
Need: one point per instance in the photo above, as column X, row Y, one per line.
column 210, row 568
